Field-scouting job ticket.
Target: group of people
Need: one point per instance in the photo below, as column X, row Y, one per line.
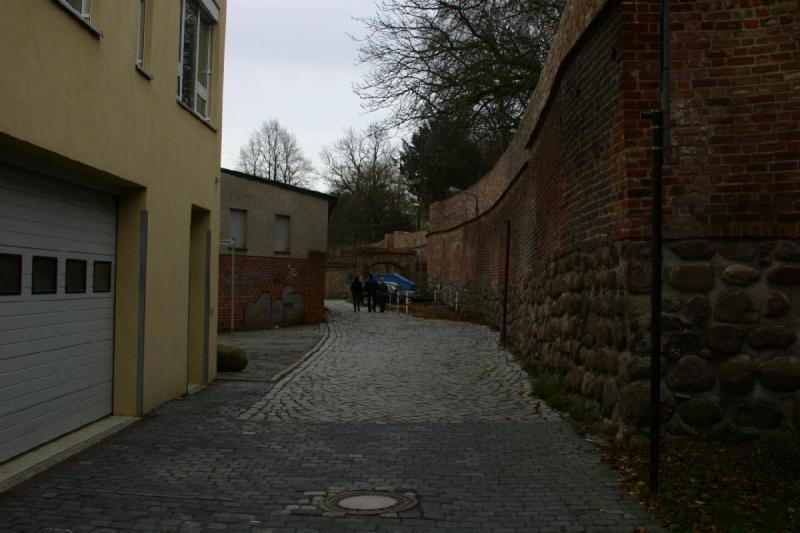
column 376, row 291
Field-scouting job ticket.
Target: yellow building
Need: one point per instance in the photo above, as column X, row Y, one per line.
column 109, row 200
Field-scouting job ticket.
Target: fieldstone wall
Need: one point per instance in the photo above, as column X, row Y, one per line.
column 571, row 196
column 571, row 321
column 731, row 314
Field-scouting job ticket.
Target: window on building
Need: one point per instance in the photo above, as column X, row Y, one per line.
column 75, row 276
column 194, row 65
column 102, row 276
column 282, row 234
column 10, row 274
column 44, row 277
column 140, row 35
column 238, row 228
column 82, row 7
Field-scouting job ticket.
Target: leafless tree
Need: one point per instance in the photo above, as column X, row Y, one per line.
column 473, row 60
column 362, row 170
column 361, row 162
column 273, row 153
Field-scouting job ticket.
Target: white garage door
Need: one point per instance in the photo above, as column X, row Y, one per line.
column 57, row 263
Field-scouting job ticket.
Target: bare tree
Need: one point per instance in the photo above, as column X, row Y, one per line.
column 468, row 60
column 273, row 153
column 362, row 170
column 360, row 162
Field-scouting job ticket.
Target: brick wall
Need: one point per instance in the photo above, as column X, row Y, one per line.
column 346, row 262
column 271, row 291
column 575, row 186
column 735, row 118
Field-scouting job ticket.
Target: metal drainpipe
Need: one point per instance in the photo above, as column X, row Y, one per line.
column 660, row 119
column 505, row 282
column 477, row 239
column 231, row 243
column 233, row 284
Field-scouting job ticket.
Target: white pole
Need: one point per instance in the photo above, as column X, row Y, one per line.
column 456, row 300
column 406, row 302
column 233, row 283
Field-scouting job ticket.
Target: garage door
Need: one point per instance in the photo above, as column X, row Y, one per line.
column 57, row 262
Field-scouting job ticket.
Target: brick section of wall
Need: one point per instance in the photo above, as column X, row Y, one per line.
column 562, row 197
column 575, row 185
column 735, row 118
column 337, row 280
column 271, row 291
column 577, row 17
column 365, row 260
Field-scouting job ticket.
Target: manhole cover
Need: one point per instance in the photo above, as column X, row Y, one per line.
column 368, row 502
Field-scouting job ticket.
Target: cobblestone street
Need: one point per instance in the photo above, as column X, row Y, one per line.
column 427, row 407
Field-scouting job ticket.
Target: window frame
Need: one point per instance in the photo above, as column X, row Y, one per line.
column 141, row 29
column 85, row 11
column 71, row 261
column 110, row 276
column 49, row 259
column 18, row 290
column 237, row 245
column 208, row 15
column 201, row 92
column 84, row 15
column 143, row 38
column 288, row 249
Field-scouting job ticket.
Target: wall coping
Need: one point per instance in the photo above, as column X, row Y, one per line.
column 447, row 215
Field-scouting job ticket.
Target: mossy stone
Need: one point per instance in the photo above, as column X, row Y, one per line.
column 230, row 359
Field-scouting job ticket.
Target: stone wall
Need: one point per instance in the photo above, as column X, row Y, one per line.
column 271, row 291
column 571, row 322
column 730, row 332
column 574, row 186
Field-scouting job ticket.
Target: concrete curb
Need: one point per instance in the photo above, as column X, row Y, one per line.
column 286, row 376
column 317, row 347
column 36, row 461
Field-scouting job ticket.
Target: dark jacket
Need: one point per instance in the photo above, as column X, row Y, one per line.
column 383, row 290
column 371, row 286
column 355, row 287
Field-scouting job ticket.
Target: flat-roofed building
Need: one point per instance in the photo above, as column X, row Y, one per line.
column 109, row 203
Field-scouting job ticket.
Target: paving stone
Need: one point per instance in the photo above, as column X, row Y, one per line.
column 388, row 401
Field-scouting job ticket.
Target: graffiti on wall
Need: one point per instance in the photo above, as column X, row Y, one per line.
column 265, row 311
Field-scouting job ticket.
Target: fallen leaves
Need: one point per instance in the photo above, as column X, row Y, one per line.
column 708, row 486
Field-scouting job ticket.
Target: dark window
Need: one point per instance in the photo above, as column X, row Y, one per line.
column 282, row 234
column 238, row 228
column 75, row 278
column 44, row 278
column 194, row 69
column 10, row 274
column 102, row 276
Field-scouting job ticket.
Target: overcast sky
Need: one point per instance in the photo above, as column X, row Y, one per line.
column 292, row 61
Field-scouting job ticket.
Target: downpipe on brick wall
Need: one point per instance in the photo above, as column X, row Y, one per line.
column 660, row 119
column 505, row 283
column 232, row 244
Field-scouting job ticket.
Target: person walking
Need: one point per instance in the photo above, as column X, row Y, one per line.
column 382, row 294
column 372, row 286
column 355, row 289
